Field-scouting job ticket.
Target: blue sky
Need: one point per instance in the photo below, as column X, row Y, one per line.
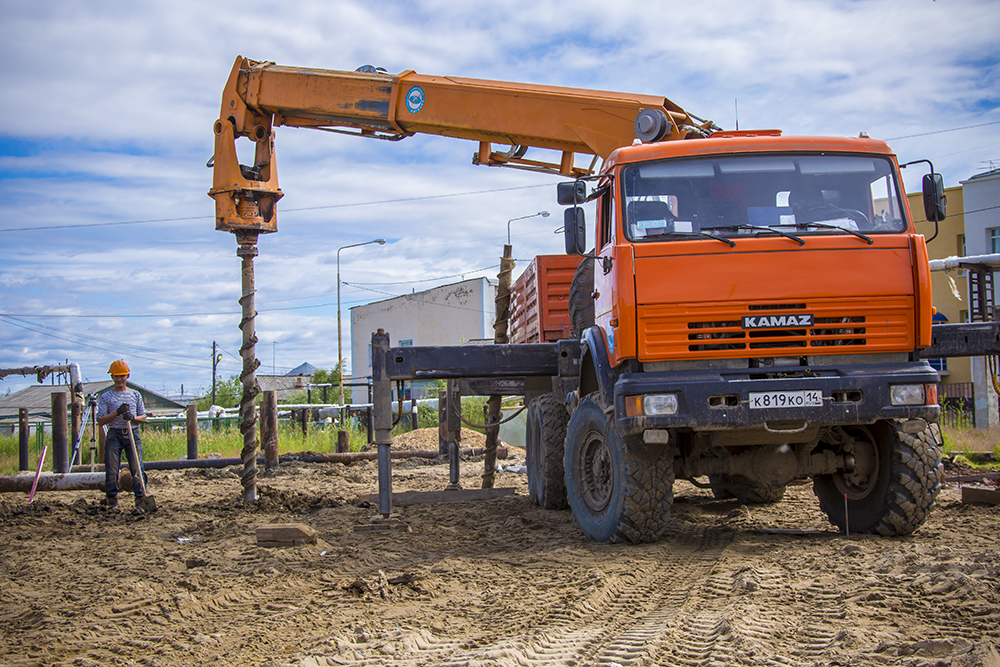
column 107, row 240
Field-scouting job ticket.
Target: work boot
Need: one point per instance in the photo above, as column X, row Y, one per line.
column 112, row 502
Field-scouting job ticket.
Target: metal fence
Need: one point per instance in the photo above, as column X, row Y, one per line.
column 958, row 405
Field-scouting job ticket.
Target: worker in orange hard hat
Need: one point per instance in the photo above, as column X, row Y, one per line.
column 120, row 409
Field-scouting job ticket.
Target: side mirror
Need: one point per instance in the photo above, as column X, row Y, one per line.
column 570, row 194
column 934, row 199
column 574, row 231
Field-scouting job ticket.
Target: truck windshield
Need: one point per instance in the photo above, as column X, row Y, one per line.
column 673, row 200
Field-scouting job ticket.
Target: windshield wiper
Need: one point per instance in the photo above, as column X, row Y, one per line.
column 824, row 225
column 759, row 228
column 729, row 242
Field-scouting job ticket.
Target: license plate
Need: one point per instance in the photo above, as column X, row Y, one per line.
column 810, row 398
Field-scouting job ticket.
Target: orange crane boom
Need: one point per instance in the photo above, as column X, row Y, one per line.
column 260, row 96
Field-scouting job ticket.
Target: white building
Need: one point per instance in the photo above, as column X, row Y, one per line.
column 454, row 314
column 982, row 237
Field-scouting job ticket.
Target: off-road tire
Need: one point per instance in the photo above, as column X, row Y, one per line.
column 901, row 494
column 544, row 441
column 581, row 297
column 620, row 489
column 743, row 490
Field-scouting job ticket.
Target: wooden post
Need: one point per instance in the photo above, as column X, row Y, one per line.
column 60, row 433
column 23, row 428
column 191, row 413
column 494, row 403
column 269, row 428
column 305, row 423
column 343, row 442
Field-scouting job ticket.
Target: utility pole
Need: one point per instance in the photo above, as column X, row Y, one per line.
column 216, row 358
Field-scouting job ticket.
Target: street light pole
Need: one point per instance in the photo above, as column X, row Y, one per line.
column 340, row 344
column 543, row 214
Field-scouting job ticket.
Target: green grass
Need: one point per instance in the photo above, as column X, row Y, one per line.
column 973, row 445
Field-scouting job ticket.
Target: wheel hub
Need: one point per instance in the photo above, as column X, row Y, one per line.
column 857, row 482
column 596, row 473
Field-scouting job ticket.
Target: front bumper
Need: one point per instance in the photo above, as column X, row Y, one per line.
column 716, row 400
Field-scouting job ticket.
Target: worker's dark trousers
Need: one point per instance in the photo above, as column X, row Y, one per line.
column 114, row 444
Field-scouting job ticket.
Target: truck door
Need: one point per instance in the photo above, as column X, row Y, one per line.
column 612, row 283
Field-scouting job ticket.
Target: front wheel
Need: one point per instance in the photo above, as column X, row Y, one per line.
column 620, row 489
column 892, row 486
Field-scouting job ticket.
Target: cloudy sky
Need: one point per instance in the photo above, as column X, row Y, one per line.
column 107, row 239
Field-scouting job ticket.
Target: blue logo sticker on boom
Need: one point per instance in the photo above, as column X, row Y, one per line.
column 415, row 99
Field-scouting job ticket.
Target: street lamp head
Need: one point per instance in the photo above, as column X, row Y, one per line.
column 380, row 241
column 543, row 214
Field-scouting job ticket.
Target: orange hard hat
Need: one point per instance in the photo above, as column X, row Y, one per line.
column 118, row 368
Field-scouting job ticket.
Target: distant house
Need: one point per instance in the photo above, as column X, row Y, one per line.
column 295, row 380
column 38, row 400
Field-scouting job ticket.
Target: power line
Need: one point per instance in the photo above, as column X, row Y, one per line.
column 103, row 349
column 950, row 129
column 429, row 280
column 40, row 327
column 289, row 210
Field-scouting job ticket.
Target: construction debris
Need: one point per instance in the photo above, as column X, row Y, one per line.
column 285, row 535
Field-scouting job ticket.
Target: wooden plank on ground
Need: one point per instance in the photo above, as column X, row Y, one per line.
column 285, row 535
column 972, row 494
column 446, row 496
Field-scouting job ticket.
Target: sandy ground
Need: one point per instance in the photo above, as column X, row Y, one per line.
column 496, row 582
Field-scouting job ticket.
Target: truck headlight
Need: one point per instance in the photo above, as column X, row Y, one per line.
column 659, row 404
column 907, row 394
column 651, row 404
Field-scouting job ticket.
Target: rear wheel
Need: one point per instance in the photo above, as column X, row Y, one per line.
column 545, row 437
column 620, row 489
column 893, row 483
column 745, row 491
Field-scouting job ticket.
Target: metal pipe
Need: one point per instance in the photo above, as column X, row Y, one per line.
column 953, row 262
column 60, row 437
column 81, row 481
column 341, row 457
column 382, row 388
column 269, row 428
column 23, row 429
column 191, row 425
column 453, row 471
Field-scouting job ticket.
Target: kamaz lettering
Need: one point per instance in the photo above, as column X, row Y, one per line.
column 776, row 321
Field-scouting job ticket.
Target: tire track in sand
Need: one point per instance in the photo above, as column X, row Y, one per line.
column 616, row 626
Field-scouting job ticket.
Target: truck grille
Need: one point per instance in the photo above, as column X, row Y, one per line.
column 707, row 331
column 707, row 336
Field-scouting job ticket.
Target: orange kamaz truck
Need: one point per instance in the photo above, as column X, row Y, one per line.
column 760, row 303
